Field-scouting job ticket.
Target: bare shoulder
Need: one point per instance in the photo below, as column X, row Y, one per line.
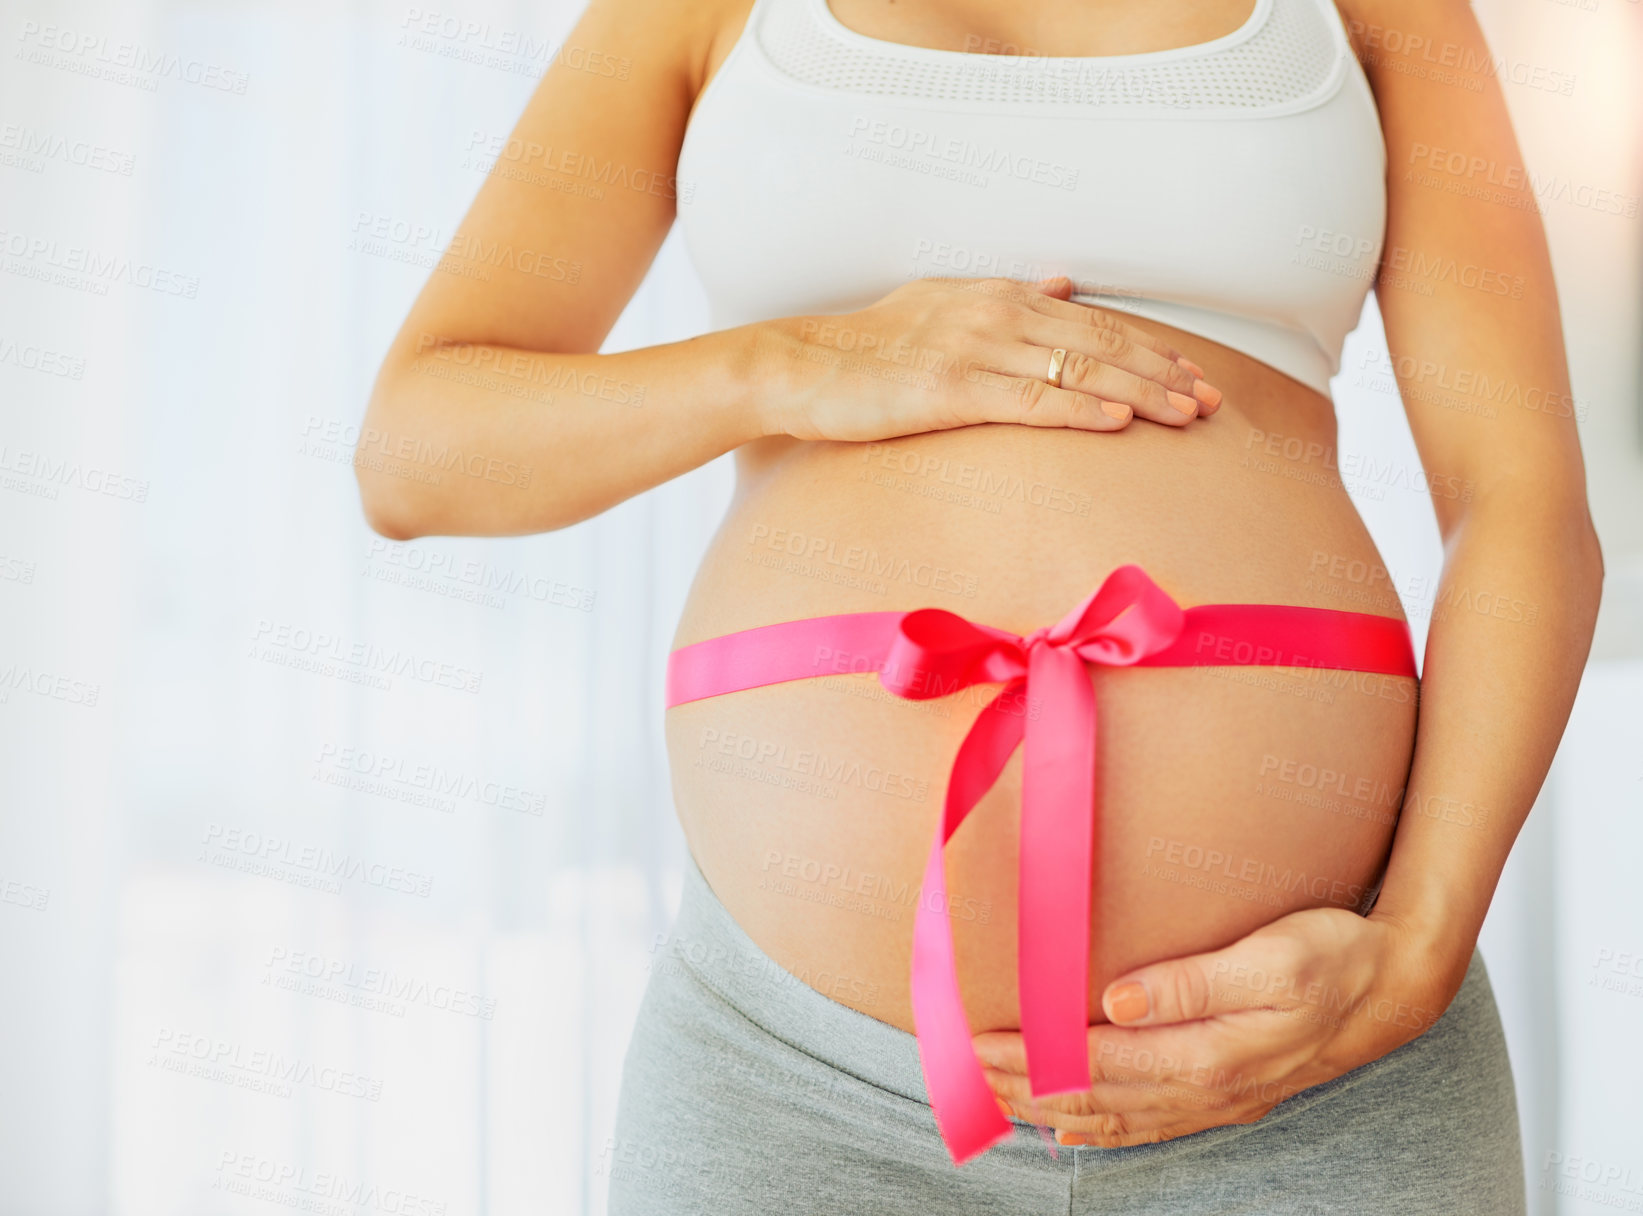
column 682, row 42
column 1374, row 25
column 670, row 40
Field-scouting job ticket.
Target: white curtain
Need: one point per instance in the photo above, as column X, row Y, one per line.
column 330, row 868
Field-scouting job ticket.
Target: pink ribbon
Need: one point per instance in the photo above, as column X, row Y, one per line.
column 1047, row 700
column 935, row 653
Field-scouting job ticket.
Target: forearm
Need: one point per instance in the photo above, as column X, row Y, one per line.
column 480, row 440
column 1510, row 630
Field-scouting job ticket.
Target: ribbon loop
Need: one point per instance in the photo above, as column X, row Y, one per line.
column 934, row 653
column 1126, row 619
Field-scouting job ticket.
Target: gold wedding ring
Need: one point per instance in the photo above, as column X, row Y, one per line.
column 1058, row 356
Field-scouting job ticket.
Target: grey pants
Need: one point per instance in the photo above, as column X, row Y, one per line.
column 745, row 1090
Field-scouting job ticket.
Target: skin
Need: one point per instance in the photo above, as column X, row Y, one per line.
column 1184, row 492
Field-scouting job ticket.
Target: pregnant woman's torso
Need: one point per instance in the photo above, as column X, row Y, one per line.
column 1228, row 796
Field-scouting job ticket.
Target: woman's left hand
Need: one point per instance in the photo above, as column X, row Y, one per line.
column 1223, row 1037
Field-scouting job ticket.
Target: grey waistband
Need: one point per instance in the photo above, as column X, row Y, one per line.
column 707, row 939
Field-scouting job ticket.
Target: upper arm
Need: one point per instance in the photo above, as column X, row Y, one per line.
column 567, row 223
column 1465, row 287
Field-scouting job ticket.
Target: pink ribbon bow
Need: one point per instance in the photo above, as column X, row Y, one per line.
column 1048, row 700
column 930, row 653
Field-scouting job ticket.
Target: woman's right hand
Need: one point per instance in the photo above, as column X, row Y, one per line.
column 940, row 353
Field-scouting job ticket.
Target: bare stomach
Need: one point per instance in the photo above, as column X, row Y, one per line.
column 1228, row 797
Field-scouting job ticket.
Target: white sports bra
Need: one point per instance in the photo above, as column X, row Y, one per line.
column 1233, row 188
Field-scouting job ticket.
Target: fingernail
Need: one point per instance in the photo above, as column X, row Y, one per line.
column 1207, row 393
column 1189, row 365
column 1128, row 1002
column 1005, row 1109
column 1072, row 1138
column 1113, row 409
column 1181, row 401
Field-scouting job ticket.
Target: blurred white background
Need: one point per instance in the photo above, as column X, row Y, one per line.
column 332, row 866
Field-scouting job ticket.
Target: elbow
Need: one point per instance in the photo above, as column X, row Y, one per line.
column 1584, row 552
column 390, row 504
column 1554, row 516
column 1579, row 535
column 1593, row 550
column 386, row 517
column 1590, row 571
column 393, row 506
column 1580, row 555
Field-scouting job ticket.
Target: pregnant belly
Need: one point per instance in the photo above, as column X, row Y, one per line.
column 1226, row 796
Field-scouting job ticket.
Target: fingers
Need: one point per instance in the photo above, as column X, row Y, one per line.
column 1114, row 1116
column 1057, row 285
column 1115, row 1112
column 1121, row 1131
column 1064, row 1110
column 1110, row 343
column 1117, row 1055
column 992, row 396
column 1114, row 360
column 1049, row 297
column 1052, row 300
column 1113, row 370
column 1002, row 1050
column 1197, row 1054
column 1098, row 370
column 1257, row 972
column 1116, row 1136
column 1180, row 990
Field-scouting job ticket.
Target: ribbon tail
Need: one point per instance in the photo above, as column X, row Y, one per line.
column 964, row 1105
column 1057, row 862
